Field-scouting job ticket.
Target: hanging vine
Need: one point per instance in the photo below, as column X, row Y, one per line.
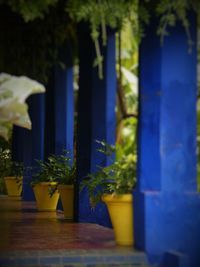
column 99, row 14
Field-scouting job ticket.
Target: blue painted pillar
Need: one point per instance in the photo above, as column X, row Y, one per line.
column 96, row 118
column 33, row 141
column 59, row 127
column 166, row 202
column 64, row 110
column 64, row 106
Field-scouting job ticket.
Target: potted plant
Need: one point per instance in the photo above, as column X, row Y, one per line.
column 11, row 172
column 55, row 177
column 114, row 185
column 44, row 185
column 66, row 175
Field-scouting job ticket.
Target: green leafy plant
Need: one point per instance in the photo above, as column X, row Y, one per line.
column 117, row 178
column 58, row 169
column 48, row 24
column 9, row 168
column 100, row 15
column 30, row 9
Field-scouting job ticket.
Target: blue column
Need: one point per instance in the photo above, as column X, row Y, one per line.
column 59, row 127
column 166, row 202
column 33, row 142
column 96, row 117
column 64, row 110
column 64, row 106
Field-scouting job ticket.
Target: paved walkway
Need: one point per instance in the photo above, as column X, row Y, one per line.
column 46, row 239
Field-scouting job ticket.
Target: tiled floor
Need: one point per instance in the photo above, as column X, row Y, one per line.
column 31, row 238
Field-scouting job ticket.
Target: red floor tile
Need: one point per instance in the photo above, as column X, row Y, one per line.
column 22, row 227
column 41, row 239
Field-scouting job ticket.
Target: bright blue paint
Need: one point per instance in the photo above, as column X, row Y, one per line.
column 178, row 146
column 96, row 118
column 33, row 142
column 149, row 110
column 103, row 106
column 166, row 202
column 64, row 110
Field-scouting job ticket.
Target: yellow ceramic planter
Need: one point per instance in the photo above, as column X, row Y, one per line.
column 13, row 186
column 121, row 213
column 44, row 201
column 67, row 198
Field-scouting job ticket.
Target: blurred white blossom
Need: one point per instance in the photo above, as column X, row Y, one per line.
column 13, row 93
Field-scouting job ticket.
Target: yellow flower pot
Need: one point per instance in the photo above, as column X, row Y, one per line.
column 44, row 201
column 13, row 186
column 67, row 198
column 120, row 208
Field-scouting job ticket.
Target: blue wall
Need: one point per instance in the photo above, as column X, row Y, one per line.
column 166, row 202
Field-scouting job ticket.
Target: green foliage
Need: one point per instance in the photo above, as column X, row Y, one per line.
column 128, row 142
column 30, row 9
column 57, row 168
column 172, row 11
column 129, row 47
column 105, row 148
column 100, row 15
column 117, row 178
column 127, row 76
column 169, row 13
column 4, row 146
column 49, row 23
column 8, row 167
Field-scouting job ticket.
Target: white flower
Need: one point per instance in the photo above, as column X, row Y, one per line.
column 13, row 93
